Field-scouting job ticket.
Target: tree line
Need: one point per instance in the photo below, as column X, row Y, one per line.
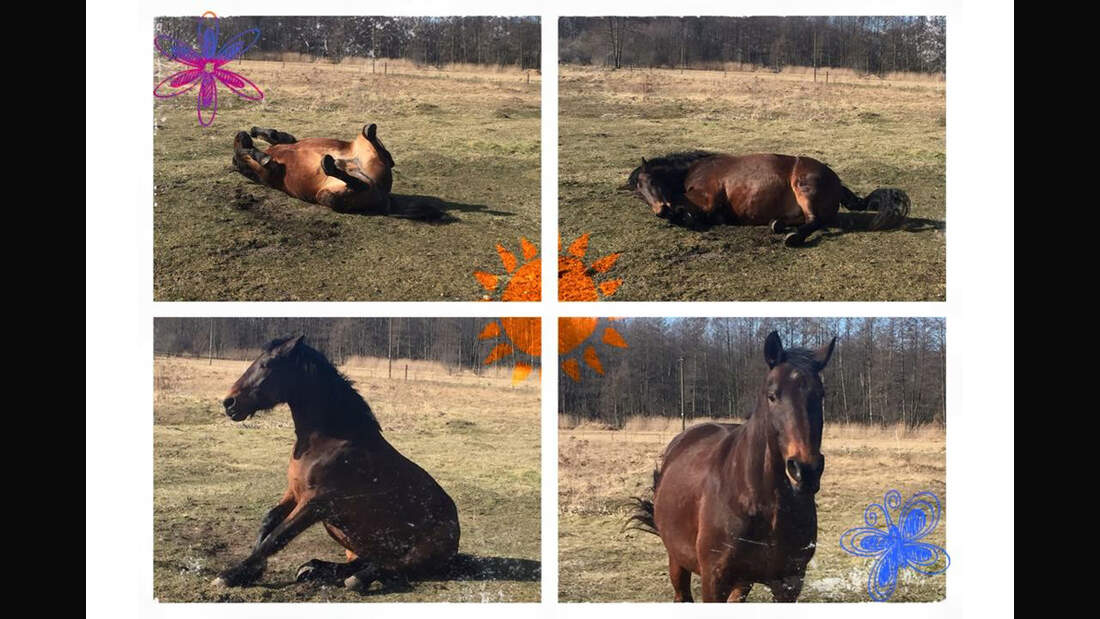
column 883, row 370
column 866, row 44
column 451, row 341
column 434, row 41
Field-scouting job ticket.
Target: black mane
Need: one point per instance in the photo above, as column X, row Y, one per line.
column 346, row 410
column 802, row 359
column 669, row 170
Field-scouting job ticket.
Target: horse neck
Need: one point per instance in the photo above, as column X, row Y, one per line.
column 757, row 460
column 329, row 406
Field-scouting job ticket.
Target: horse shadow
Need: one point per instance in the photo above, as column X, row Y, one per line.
column 862, row 222
column 464, row 568
column 431, row 209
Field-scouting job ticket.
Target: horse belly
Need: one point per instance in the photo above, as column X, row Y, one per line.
column 304, row 178
column 758, row 204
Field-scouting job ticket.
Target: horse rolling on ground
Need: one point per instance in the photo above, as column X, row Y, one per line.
column 734, row 503
column 390, row 515
column 348, row 177
column 700, row 188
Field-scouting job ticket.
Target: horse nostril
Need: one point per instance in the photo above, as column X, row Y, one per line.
column 794, row 469
column 229, row 402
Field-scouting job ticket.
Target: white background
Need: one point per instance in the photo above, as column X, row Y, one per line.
column 120, row 310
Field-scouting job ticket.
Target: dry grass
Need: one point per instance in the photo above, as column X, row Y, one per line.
column 214, row 480
column 873, row 132
column 598, row 470
column 466, row 137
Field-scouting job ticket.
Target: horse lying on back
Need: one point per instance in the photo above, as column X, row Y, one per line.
column 698, row 188
column 348, row 177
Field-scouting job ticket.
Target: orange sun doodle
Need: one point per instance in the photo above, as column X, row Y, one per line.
column 573, row 333
column 524, row 281
column 575, row 279
column 522, row 335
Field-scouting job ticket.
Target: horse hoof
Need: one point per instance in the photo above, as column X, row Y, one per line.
column 254, row 132
column 792, row 240
column 328, row 164
column 243, row 140
column 777, row 226
column 310, row 570
column 219, row 583
column 353, row 583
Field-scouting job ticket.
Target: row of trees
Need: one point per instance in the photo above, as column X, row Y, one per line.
column 452, row 341
column 425, row 40
column 883, row 370
column 867, row 44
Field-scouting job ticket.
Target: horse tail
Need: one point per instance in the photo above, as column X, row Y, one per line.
column 421, row 209
column 892, row 206
column 642, row 517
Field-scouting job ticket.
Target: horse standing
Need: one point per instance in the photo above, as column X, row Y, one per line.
column 698, row 188
column 734, row 503
column 348, row 177
column 388, row 513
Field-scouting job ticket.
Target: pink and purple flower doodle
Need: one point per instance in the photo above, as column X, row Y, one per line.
column 205, row 67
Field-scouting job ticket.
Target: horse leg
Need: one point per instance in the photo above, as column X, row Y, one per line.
column 798, row 237
column 254, row 164
column 272, row 136
column 716, row 582
column 681, row 581
column 328, row 571
column 274, row 516
column 335, row 169
column 361, row 580
column 303, row 516
column 740, row 592
column 788, row 589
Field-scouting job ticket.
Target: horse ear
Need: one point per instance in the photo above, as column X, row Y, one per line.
column 821, row 355
column 773, row 350
column 644, row 163
column 288, row 346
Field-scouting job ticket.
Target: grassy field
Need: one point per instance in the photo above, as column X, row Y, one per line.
column 599, row 469
column 214, row 480
column 466, row 137
column 872, row 132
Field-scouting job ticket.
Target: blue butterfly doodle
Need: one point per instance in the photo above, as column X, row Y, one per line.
column 897, row 546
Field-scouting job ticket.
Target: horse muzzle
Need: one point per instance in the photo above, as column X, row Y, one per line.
column 234, row 410
column 805, row 478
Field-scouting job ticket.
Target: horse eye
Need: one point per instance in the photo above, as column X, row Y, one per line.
column 771, row 397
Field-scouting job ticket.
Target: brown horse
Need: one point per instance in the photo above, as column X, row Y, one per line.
column 348, row 177
column 392, row 518
column 699, row 188
column 735, row 503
